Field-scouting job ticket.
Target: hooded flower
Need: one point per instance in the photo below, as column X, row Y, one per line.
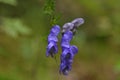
column 52, row 41
column 68, row 53
column 66, row 38
column 67, row 59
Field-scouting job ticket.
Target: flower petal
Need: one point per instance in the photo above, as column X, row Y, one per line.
column 74, row 49
column 52, row 37
column 68, row 35
column 51, row 49
column 55, row 30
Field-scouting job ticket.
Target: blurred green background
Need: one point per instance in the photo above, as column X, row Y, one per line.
column 23, row 40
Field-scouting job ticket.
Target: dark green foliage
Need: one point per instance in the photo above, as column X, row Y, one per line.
column 49, row 10
column 49, row 7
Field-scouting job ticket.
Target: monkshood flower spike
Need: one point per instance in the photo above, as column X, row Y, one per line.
column 52, row 48
column 68, row 53
column 68, row 50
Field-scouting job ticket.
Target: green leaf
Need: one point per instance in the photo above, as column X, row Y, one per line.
column 13, row 27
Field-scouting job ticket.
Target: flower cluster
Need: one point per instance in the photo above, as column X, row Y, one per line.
column 68, row 51
column 52, row 48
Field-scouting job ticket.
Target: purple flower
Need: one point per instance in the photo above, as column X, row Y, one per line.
column 68, row 53
column 77, row 22
column 66, row 38
column 52, row 48
column 67, row 59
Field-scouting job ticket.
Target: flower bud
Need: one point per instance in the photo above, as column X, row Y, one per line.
column 77, row 22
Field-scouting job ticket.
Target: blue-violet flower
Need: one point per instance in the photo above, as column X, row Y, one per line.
column 67, row 59
column 68, row 53
column 66, row 38
column 52, row 48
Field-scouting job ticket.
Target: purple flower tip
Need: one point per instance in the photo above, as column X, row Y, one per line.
column 67, row 27
column 55, row 30
column 78, row 21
